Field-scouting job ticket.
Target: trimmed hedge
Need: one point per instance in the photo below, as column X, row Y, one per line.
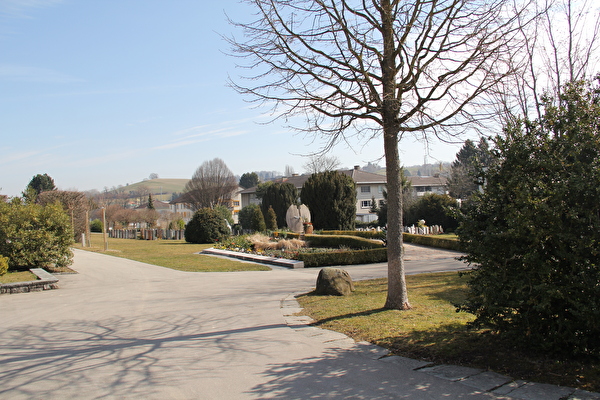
column 343, row 257
column 363, row 234
column 432, row 241
column 353, row 242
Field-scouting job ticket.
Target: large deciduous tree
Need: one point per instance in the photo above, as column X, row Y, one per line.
column 377, row 69
column 534, row 234
column 331, row 198
column 212, row 184
column 321, row 163
column 561, row 46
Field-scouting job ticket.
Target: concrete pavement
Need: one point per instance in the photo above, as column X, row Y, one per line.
column 121, row 329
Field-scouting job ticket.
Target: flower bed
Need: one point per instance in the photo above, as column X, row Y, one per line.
column 296, row 249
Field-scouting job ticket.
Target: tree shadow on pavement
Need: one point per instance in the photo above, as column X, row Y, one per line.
column 118, row 357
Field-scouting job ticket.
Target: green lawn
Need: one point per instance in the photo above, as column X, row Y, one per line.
column 175, row 254
column 434, row 331
column 20, row 276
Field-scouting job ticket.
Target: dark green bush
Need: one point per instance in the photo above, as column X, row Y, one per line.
column 532, row 235
column 348, row 257
column 206, row 226
column 96, row 225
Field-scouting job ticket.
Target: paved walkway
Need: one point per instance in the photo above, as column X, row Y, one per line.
column 121, row 329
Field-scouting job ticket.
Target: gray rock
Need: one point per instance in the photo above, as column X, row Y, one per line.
column 334, row 281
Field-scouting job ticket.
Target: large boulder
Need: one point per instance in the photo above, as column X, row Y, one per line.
column 334, row 281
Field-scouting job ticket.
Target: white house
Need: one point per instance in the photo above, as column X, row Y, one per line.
column 368, row 186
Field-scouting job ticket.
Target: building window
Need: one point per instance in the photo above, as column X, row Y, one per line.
column 365, row 204
column 236, row 203
column 365, row 189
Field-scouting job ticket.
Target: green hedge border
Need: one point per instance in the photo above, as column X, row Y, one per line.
column 432, row 241
column 343, row 257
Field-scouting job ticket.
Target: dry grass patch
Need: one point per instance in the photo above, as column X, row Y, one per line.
column 174, row 254
column 262, row 242
column 435, row 332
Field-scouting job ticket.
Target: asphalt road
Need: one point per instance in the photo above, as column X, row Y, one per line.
column 121, row 329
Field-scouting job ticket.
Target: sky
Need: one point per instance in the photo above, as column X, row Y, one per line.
column 104, row 93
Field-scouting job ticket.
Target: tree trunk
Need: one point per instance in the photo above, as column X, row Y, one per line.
column 397, row 296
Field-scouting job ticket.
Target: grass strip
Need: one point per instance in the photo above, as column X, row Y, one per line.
column 434, row 331
column 18, row 276
column 174, row 254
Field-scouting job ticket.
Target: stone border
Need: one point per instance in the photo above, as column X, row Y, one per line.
column 46, row 281
column 280, row 262
column 482, row 380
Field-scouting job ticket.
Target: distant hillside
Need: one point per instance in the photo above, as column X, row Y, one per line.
column 161, row 189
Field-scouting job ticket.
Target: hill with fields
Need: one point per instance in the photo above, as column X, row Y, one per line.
column 161, row 188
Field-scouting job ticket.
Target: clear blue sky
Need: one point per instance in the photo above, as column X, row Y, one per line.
column 104, row 93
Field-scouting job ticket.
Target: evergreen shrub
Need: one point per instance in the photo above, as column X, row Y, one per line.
column 96, row 226
column 206, row 226
column 3, row 265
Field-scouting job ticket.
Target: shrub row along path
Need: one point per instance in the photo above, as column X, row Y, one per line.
column 120, row 329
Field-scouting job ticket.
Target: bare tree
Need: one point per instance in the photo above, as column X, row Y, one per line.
column 321, row 163
column 75, row 204
column 378, row 69
column 212, row 184
column 141, row 193
column 560, row 47
column 289, row 170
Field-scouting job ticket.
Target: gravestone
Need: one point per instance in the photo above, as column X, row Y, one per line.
column 296, row 216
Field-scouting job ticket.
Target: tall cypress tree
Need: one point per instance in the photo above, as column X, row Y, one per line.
column 280, row 196
column 331, row 198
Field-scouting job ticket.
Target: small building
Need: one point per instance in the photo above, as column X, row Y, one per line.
column 422, row 185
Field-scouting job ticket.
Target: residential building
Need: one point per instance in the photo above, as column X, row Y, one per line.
column 182, row 206
column 422, row 185
column 369, row 186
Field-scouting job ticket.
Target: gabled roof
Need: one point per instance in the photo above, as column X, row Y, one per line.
column 427, row 180
column 359, row 177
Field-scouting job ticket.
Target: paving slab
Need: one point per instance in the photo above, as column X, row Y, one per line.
column 486, row 381
column 451, row 372
column 584, row 395
column 540, row 391
column 405, row 362
column 121, row 329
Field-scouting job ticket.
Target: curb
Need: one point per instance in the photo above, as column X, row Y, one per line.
column 485, row 381
column 46, row 281
column 280, row 262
